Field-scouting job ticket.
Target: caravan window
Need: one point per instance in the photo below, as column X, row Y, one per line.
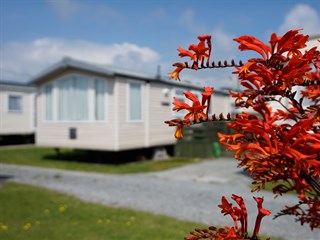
column 135, row 101
column 15, row 103
column 73, row 98
column 48, row 102
column 99, row 99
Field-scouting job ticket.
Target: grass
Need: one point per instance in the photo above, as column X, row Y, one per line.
column 29, row 212
column 80, row 160
column 269, row 188
column 35, row 213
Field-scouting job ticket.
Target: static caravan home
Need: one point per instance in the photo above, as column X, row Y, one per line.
column 88, row 106
column 17, row 111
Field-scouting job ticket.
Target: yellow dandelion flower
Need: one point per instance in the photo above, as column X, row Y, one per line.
column 62, row 207
column 3, row 227
column 128, row 223
column 99, row 221
column 26, row 227
column 37, row 223
column 108, row 221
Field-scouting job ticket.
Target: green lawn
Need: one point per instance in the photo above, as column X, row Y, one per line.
column 269, row 187
column 80, row 160
column 38, row 214
column 35, row 213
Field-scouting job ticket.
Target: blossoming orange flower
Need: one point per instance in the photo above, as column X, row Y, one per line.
column 195, row 111
column 261, row 213
column 291, row 42
column 197, row 52
column 252, row 43
column 191, row 96
column 179, row 105
column 206, row 95
column 200, row 51
column 238, row 215
column 312, row 92
column 178, row 134
column 176, row 72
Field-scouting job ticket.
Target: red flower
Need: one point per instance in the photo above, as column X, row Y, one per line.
column 312, row 92
column 179, row 105
column 206, row 95
column 252, row 43
column 272, row 144
column 242, row 213
column 176, row 72
column 178, row 134
column 196, row 110
column 291, row 42
column 262, row 213
column 198, row 52
column 186, row 53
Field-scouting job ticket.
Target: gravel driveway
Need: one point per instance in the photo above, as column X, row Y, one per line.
column 189, row 193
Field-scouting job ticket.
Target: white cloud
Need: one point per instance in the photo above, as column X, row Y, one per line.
column 20, row 60
column 302, row 16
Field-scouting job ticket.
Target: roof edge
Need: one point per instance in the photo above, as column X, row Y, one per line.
column 69, row 62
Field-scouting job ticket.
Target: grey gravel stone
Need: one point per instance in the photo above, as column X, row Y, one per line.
column 187, row 193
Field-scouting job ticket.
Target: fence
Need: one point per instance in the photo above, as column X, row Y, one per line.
column 201, row 141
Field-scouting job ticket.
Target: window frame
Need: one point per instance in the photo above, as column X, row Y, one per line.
column 64, row 78
column 105, row 99
column 91, row 101
column 45, row 101
column 141, row 84
column 17, row 96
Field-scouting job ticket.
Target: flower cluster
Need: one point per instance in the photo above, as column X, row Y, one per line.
column 197, row 53
column 280, row 145
column 240, row 222
column 274, row 144
column 195, row 113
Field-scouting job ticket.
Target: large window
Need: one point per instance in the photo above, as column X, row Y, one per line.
column 135, row 101
column 73, row 99
column 99, row 103
column 48, row 102
column 15, row 103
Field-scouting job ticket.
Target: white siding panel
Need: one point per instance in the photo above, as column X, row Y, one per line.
column 16, row 122
column 221, row 104
column 131, row 134
column 160, row 111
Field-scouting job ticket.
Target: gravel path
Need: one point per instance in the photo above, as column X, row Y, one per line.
column 189, row 193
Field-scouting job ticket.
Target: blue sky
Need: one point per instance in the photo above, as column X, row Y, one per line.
column 138, row 34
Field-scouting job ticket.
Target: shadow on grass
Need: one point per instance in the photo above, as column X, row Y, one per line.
column 102, row 157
